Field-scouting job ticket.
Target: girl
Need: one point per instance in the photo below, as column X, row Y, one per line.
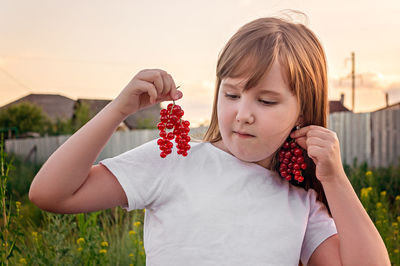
column 227, row 202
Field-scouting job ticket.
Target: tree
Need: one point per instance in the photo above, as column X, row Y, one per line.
column 147, row 122
column 26, row 117
column 81, row 116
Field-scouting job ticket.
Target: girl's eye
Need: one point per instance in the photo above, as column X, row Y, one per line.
column 267, row 103
column 231, row 96
column 262, row 101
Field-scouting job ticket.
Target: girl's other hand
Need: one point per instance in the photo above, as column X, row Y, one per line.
column 322, row 146
column 148, row 87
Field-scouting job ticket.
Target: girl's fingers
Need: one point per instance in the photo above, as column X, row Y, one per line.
column 154, row 77
column 163, row 85
column 166, row 83
column 175, row 94
column 152, row 91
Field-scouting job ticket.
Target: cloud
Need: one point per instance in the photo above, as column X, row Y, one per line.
column 368, row 81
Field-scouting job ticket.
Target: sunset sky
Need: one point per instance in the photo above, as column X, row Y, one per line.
column 92, row 49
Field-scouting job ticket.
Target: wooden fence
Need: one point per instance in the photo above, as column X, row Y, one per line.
column 370, row 137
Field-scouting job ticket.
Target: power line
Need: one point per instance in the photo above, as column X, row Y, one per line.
column 20, row 83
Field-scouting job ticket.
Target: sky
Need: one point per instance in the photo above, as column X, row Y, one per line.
column 92, row 49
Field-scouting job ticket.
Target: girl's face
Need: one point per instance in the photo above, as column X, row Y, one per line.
column 266, row 113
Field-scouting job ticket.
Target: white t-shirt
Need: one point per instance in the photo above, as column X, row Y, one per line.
column 211, row 208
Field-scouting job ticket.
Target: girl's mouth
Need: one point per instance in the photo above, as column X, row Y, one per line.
column 243, row 135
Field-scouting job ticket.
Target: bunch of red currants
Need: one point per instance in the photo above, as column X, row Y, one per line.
column 291, row 161
column 171, row 119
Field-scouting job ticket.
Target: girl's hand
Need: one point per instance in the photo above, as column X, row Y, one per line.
column 322, row 146
column 148, row 87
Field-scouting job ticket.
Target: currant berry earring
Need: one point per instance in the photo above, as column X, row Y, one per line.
column 291, row 160
column 171, row 119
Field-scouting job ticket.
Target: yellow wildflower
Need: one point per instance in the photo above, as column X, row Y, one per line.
column 104, row 244
column 132, row 232
column 103, row 251
column 137, row 224
column 398, row 219
column 22, row 260
column 81, row 239
column 140, row 242
column 130, row 254
column 383, row 193
column 396, row 251
column 131, row 264
column 398, row 197
column 378, row 205
column 364, row 193
column 142, row 253
column 18, row 204
column 34, row 234
column 144, row 210
column 395, row 225
column 368, row 173
column 80, row 249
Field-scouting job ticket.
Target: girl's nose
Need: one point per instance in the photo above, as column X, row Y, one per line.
column 244, row 114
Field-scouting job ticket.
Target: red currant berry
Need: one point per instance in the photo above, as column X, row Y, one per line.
column 164, row 118
column 297, row 152
column 286, row 145
column 163, row 134
column 161, row 126
column 163, row 154
column 170, row 135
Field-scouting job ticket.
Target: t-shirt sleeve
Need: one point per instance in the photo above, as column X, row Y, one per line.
column 320, row 226
column 141, row 172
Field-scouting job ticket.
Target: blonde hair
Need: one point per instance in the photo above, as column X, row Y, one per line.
column 252, row 50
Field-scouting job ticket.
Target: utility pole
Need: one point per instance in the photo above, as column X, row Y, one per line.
column 352, row 75
column 352, row 81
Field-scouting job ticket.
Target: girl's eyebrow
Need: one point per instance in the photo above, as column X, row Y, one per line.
column 261, row 92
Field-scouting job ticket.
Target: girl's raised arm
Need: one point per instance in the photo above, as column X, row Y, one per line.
column 68, row 182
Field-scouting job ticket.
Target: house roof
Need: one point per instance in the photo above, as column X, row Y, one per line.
column 337, row 106
column 54, row 105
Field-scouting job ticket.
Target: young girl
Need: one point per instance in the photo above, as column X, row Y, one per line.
column 228, row 201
